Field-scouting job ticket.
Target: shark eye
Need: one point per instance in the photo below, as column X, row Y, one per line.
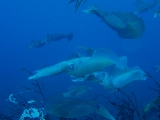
column 72, row 67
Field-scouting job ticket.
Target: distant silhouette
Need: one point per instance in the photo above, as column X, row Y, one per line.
column 37, row 44
column 142, row 6
column 57, row 37
column 48, row 38
column 78, row 2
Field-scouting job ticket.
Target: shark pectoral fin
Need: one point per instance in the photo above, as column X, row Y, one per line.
column 104, row 112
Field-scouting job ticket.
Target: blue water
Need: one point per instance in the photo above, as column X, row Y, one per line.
column 24, row 20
